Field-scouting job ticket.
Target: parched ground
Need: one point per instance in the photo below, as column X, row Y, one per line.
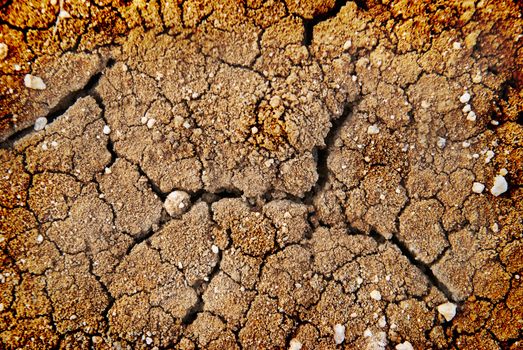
column 261, row 174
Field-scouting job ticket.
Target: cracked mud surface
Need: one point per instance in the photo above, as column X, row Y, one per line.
column 332, row 158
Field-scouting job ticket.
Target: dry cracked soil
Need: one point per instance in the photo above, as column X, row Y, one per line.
column 298, row 174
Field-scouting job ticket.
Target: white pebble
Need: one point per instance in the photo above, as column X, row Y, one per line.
column 4, row 50
column 500, row 185
column 339, row 334
column 173, row 201
column 465, row 144
column 477, row 187
column 295, row 345
column 143, row 120
column 373, row 129
column 150, row 123
column 405, row 346
column 447, row 310
column 425, row 104
column 376, row 295
column 465, row 97
column 347, row 44
column 39, row 239
column 106, row 130
column 441, row 142
column 471, row 116
column 34, row 82
column 456, row 45
column 40, row 123
column 467, row 108
column 382, row 322
column 490, row 155
column 215, row 249
column 254, row 130
column 149, row 340
column 503, row 172
column 495, row 227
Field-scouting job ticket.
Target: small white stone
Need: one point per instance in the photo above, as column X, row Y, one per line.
column 254, row 130
column 39, row 239
column 465, row 144
column 425, row 104
column 447, row 310
column 495, row 227
column 465, row 97
column 494, row 122
column 471, row 116
column 64, row 14
column 456, row 45
column 215, row 249
column 359, row 280
column 490, row 155
column 339, row 333
column 186, row 124
column 34, row 82
column 367, row 333
column 150, row 123
column 500, row 185
column 107, row 129
column 503, row 172
column 54, row 144
column 376, row 295
column 1, row 307
column 143, row 120
column 173, row 201
column 295, row 345
column 40, row 123
column 373, row 129
column 478, row 187
column 4, row 50
column 148, row 340
column 467, row 108
column 347, row 45
column 441, row 142
column 382, row 322
column 275, row 101
column 404, row 346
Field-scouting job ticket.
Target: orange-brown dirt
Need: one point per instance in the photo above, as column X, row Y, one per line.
column 261, row 174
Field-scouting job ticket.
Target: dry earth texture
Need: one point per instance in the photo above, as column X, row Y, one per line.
column 261, row 174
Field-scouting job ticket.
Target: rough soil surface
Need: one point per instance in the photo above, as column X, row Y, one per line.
column 261, row 174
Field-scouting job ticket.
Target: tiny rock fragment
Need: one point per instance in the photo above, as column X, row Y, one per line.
column 466, row 108
column 106, row 130
column 376, row 295
column 177, row 203
column 500, row 185
column 456, row 45
column 404, row 346
column 490, row 155
column 151, row 122
column 447, row 310
column 373, row 129
column 441, row 142
column 40, row 123
column 34, row 82
column 503, row 172
column 4, row 50
column 64, row 14
column 339, row 333
column 295, row 345
column 477, row 187
column 465, row 97
column 215, row 249
column 275, row 101
column 39, row 239
column 471, row 116
column 347, row 44
column 148, row 340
